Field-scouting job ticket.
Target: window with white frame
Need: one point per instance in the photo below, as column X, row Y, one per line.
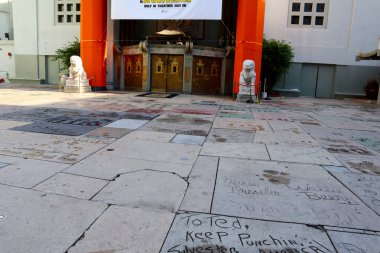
column 67, row 12
column 308, row 13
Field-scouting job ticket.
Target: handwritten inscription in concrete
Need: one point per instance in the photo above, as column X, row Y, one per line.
column 204, row 233
column 297, row 193
column 365, row 186
column 355, row 243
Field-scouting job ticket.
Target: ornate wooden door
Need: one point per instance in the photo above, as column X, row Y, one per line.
column 133, row 72
column 207, row 75
column 167, row 73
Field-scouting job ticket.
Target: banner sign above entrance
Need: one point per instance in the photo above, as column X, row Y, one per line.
column 167, row 9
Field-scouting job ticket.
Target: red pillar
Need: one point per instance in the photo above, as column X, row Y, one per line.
column 93, row 35
column 249, row 37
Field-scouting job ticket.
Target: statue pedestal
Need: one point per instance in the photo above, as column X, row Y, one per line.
column 76, row 86
column 244, row 93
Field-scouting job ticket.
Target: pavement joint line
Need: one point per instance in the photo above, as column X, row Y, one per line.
column 342, row 183
column 270, row 158
column 87, row 229
column 93, row 196
column 331, row 241
column 216, row 178
column 73, row 174
column 353, row 231
column 47, row 193
column 135, row 171
column 47, row 179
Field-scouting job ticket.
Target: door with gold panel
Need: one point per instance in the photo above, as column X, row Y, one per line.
column 133, row 72
column 207, row 75
column 167, row 73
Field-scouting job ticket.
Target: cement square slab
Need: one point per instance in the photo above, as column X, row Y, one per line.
column 234, row 108
column 278, row 116
column 54, row 128
column 343, row 123
column 108, row 132
column 207, row 103
column 265, row 109
column 53, row 148
column 235, row 114
column 89, row 119
column 336, row 169
column 361, row 163
column 145, row 189
column 124, row 229
column 9, row 159
column 108, row 164
column 230, row 136
column 185, row 119
column 312, row 155
column 189, row 139
column 127, row 123
column 235, row 150
column 241, row 124
column 28, row 172
column 199, row 194
column 285, row 138
column 194, row 110
column 283, row 126
column 188, row 129
column 319, row 132
column 44, row 223
column 8, row 124
column 366, row 187
column 367, row 138
column 140, row 116
column 15, row 137
column 288, row 192
column 72, row 185
column 147, row 111
column 156, row 151
column 344, row 145
column 195, row 232
column 149, row 136
column 353, row 242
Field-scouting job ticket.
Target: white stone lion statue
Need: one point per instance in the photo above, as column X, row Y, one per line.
column 77, row 80
column 247, row 78
column 76, row 69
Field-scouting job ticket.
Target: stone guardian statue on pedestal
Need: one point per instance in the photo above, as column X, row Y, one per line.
column 247, row 81
column 77, row 80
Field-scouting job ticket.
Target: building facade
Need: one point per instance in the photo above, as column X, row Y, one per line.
column 241, row 23
column 36, row 29
column 326, row 36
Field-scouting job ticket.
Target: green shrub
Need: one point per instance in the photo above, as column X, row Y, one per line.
column 64, row 53
column 277, row 58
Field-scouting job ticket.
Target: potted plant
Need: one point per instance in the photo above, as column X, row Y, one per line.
column 276, row 60
column 64, row 53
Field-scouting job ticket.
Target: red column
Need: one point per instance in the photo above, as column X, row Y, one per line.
column 93, row 35
column 249, row 37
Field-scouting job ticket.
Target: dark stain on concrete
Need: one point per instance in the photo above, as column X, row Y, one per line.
column 366, row 167
column 276, row 177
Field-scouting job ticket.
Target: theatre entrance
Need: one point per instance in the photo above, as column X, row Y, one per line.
column 133, row 72
column 167, row 73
